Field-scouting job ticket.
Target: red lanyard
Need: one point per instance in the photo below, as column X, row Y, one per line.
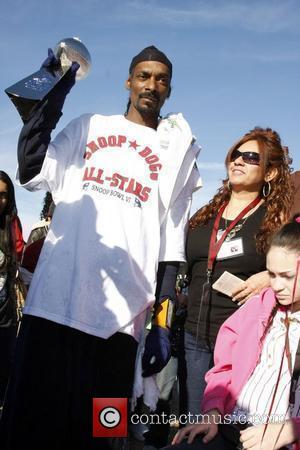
column 214, row 245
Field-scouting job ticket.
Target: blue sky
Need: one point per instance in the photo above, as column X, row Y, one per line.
column 236, row 64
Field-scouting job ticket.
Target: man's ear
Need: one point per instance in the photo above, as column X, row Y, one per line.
column 128, row 84
column 271, row 174
column 169, row 93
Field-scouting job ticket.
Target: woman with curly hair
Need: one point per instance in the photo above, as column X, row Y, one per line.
column 231, row 234
column 11, row 248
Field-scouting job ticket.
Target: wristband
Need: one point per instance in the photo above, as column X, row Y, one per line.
column 164, row 313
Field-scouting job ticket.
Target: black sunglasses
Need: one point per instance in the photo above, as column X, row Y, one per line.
column 248, row 157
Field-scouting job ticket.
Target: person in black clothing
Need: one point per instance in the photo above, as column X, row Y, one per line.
column 253, row 201
column 11, row 248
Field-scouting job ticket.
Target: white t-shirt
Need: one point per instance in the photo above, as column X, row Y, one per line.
column 115, row 218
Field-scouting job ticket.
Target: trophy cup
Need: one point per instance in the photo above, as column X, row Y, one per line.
column 33, row 89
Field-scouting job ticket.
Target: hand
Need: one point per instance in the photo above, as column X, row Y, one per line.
column 209, row 429
column 157, row 350
column 277, row 436
column 252, row 286
column 66, row 83
column 51, row 62
column 182, row 299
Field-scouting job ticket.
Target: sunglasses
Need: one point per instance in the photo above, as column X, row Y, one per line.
column 248, row 157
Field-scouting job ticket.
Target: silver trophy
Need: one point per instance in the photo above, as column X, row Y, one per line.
column 25, row 94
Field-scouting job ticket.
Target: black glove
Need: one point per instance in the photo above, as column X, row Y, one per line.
column 51, row 62
column 157, row 350
column 36, row 132
column 65, row 84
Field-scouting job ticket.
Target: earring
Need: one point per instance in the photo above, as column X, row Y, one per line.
column 228, row 185
column 266, row 190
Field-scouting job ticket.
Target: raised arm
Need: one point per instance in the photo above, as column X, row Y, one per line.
column 35, row 135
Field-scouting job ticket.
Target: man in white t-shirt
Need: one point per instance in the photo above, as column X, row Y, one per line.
column 122, row 186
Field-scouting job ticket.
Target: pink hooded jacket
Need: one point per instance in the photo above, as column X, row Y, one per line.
column 237, row 352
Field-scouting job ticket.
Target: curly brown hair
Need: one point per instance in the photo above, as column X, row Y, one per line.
column 277, row 203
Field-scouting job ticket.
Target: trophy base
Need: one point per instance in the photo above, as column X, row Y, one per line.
column 24, row 106
column 31, row 90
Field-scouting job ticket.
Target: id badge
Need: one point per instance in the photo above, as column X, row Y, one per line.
column 231, row 249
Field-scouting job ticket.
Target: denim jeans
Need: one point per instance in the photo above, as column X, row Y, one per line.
column 199, row 359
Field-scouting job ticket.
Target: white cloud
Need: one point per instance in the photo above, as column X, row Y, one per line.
column 266, row 16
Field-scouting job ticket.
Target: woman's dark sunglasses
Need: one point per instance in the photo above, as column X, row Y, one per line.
column 248, row 157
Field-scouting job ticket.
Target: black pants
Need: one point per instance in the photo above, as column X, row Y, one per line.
column 7, row 349
column 158, row 434
column 57, row 372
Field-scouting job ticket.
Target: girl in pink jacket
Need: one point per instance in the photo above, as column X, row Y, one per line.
column 252, row 398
